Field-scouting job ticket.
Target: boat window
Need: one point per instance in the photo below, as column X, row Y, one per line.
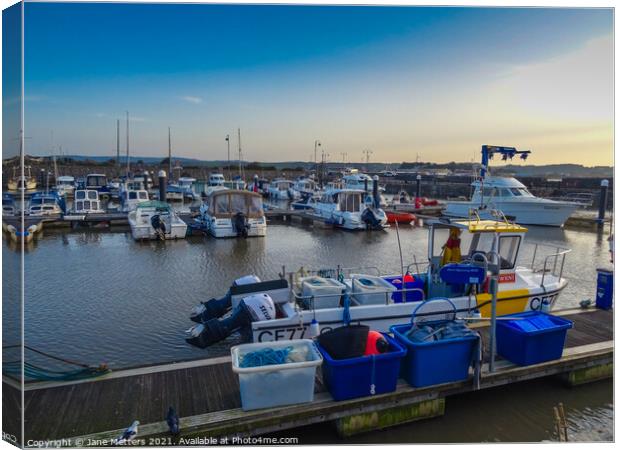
column 237, row 204
column 503, row 192
column 80, row 195
column 96, row 181
column 488, row 192
column 516, row 192
column 92, row 195
column 86, row 204
column 256, row 205
column 349, row 203
column 221, row 204
column 132, row 196
column 481, row 242
column 508, row 250
column 78, row 206
column 525, row 192
column 143, row 195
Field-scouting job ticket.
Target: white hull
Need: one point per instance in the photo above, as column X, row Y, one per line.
column 142, row 232
column 227, row 231
column 382, row 317
column 533, row 212
column 347, row 220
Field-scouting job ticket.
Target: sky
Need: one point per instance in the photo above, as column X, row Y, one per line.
column 403, row 82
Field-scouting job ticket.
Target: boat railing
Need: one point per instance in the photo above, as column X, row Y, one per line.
column 552, row 263
column 583, row 199
column 310, row 299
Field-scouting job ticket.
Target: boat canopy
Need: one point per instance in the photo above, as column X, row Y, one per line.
column 227, row 203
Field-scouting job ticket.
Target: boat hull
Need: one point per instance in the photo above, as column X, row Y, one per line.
column 552, row 214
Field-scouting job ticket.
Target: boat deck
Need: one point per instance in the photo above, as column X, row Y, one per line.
column 205, row 393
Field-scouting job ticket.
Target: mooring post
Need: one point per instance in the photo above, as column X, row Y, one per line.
column 375, row 191
column 602, row 202
column 162, row 185
column 418, row 186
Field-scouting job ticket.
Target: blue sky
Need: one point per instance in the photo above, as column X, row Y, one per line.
column 437, row 82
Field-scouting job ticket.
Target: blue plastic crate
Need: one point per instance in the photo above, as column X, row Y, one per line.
column 412, row 296
column 435, row 362
column 533, row 337
column 354, row 377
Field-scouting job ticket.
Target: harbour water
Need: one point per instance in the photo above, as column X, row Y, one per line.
column 97, row 296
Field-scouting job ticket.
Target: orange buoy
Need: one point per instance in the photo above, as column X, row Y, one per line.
column 376, row 344
column 400, row 217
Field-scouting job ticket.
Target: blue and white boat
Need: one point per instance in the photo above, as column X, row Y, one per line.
column 46, row 204
column 97, row 182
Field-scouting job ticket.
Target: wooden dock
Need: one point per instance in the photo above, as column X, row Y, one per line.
column 205, row 393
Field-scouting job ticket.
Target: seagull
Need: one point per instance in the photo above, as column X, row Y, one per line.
column 129, row 433
column 173, row 421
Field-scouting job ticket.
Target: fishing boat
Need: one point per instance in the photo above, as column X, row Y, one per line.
column 280, row 189
column 462, row 257
column 86, row 201
column 65, row 186
column 510, row 196
column 233, row 213
column 156, row 220
column 22, row 182
column 46, row 204
column 351, row 209
column 8, row 205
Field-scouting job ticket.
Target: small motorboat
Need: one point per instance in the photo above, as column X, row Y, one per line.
column 280, row 189
column 65, row 186
column 156, row 220
column 399, row 217
column 232, row 213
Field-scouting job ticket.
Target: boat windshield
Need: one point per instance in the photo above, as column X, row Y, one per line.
column 520, row 192
column 96, row 180
column 92, row 195
column 228, row 204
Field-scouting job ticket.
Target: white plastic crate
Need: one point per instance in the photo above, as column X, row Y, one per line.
column 278, row 384
column 328, row 290
column 371, row 290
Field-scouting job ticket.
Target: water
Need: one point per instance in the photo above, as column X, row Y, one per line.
column 98, row 296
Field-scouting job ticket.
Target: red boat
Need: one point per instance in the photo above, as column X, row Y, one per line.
column 400, row 217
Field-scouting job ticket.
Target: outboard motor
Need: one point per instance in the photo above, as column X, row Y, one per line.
column 240, row 224
column 370, row 219
column 158, row 225
column 217, row 307
column 253, row 308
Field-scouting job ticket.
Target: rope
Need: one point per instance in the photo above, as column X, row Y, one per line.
column 48, row 355
column 265, row 357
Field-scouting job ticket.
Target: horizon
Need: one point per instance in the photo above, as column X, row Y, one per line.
column 401, row 81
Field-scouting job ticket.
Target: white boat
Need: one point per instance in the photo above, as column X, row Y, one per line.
column 130, row 198
column 65, row 186
column 25, row 182
column 236, row 184
column 305, row 187
column 46, row 204
column 280, row 189
column 216, row 179
column 511, row 197
column 461, row 278
column 86, row 201
column 357, row 180
column 232, row 213
column 352, row 209
column 156, row 220
column 186, row 186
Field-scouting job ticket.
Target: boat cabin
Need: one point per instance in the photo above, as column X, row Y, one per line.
column 65, row 181
column 96, row 181
column 227, row 203
column 216, row 179
column 235, row 185
column 282, row 185
column 87, row 201
column 346, row 200
column 467, row 245
column 503, row 188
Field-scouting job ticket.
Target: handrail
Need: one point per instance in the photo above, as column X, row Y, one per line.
column 563, row 254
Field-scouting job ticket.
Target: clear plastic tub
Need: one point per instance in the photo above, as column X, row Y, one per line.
column 371, row 290
column 278, row 384
column 317, row 287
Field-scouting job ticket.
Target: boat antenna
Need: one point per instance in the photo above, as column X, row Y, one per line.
column 400, row 252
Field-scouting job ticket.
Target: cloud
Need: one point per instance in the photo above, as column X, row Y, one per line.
column 192, row 99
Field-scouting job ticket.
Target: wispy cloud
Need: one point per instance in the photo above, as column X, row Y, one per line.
column 192, row 99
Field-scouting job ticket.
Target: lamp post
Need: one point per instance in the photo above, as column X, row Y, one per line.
column 228, row 145
column 316, row 144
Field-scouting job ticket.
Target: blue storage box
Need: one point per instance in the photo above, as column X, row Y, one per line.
column 354, row 377
column 435, row 362
column 533, row 337
column 413, row 296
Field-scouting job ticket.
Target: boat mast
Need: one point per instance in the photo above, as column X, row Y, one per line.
column 127, row 127
column 118, row 146
column 239, row 137
column 169, row 156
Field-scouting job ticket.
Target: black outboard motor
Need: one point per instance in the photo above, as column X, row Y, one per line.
column 369, row 218
column 217, row 307
column 240, row 224
column 158, row 225
column 253, row 308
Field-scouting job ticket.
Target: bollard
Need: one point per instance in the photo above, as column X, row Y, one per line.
column 375, row 191
column 602, row 202
column 162, row 185
column 418, row 186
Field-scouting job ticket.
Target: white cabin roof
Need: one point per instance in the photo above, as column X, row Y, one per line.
column 505, row 182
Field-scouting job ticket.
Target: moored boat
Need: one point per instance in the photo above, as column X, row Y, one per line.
column 232, row 213
column 156, row 220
